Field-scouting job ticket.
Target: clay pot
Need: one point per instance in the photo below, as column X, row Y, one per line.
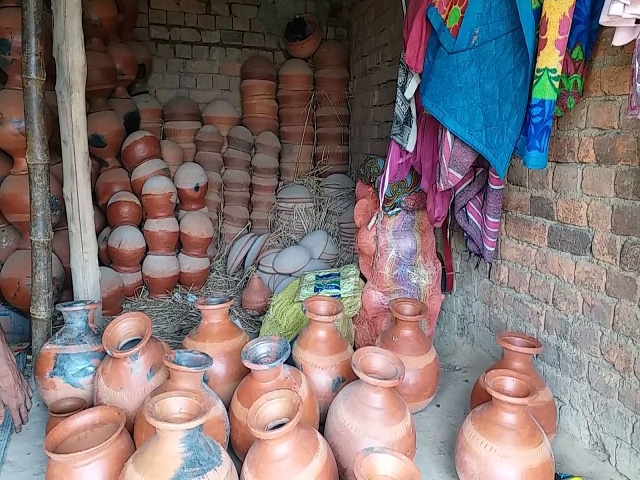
column 221, row 339
column 230, row 233
column 12, row 125
column 406, row 339
column 182, row 132
column 105, row 135
column 264, row 185
column 236, row 180
column 15, row 279
column 235, row 215
column 127, row 112
column 196, row 234
column 295, row 98
column 110, row 182
column 518, row 351
column 62, row 409
column 194, row 271
column 151, row 168
column 161, row 235
column 332, row 136
column 267, row 107
column 179, row 449
column 222, row 115
column 256, row 295
column 131, row 278
column 103, row 246
column 258, row 68
column 295, row 116
column 265, row 165
column 209, row 161
column 369, row 412
column 159, row 197
column 144, row 62
column 99, row 18
column 263, row 203
column 285, row 446
column 90, row 444
column 126, row 65
column 111, row 291
column 9, row 239
column 124, row 208
column 307, row 47
column 215, row 182
column 331, row 117
column 330, row 54
column 268, row 143
column 171, row 153
column 126, row 246
column 139, row 147
column 295, row 74
column 102, row 76
column 133, row 367
column 322, row 353
column 192, row 183
column 67, row 362
column 261, row 124
column 186, row 371
column 331, row 98
column 240, row 138
column 332, row 79
column 303, row 135
column 380, row 462
column 209, row 139
column 496, row 437
column 266, row 357
column 182, row 213
column 149, row 107
column 160, row 274
column 236, row 160
column 182, row 109
column 258, row 89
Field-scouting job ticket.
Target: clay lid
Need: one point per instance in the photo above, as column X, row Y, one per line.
column 267, row 142
column 197, row 224
column 158, row 186
column 240, row 138
column 126, row 237
column 188, row 175
column 331, row 53
column 210, row 137
column 220, row 111
column 182, row 109
column 258, row 68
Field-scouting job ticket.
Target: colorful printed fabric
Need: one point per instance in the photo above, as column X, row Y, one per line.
column 415, row 31
column 582, row 38
column 555, row 25
column 452, row 13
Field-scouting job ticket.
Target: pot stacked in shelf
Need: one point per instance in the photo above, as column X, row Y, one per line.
column 264, row 180
column 222, row 115
column 182, row 121
column 297, row 135
column 209, row 143
column 331, row 62
column 236, row 181
column 258, row 92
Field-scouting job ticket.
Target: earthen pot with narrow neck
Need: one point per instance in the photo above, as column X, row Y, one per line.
column 221, row 339
column 284, row 446
column 62, row 409
column 322, row 353
column 91, row 444
column 133, row 367
column 110, row 182
column 99, row 20
column 374, row 463
column 266, row 357
column 105, row 134
column 501, row 438
column 369, row 412
column 102, row 77
column 518, row 351
column 186, row 371
column 179, row 449
column 406, row 339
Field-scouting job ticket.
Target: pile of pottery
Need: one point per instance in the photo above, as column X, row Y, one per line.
column 264, row 180
column 182, row 121
column 222, row 115
column 236, row 181
column 246, row 251
column 258, row 93
column 293, row 202
column 151, row 115
column 297, row 134
column 331, row 63
column 172, row 155
column 209, row 143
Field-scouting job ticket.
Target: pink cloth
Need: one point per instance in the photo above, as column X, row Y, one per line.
column 416, row 32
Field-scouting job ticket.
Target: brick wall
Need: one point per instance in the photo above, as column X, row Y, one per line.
column 200, row 45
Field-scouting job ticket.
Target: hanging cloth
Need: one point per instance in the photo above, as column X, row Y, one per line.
column 404, row 128
column 415, row 32
column 621, row 14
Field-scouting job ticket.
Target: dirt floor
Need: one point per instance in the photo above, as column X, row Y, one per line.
column 437, row 427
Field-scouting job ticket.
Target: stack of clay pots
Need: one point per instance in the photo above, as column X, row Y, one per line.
column 297, row 135
column 172, row 155
column 331, row 62
column 258, row 92
column 209, row 143
column 150, row 114
column 182, row 121
column 236, row 181
column 222, row 115
column 292, row 203
column 264, row 180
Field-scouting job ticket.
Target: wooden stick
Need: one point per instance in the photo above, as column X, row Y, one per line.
column 71, row 78
column 33, row 76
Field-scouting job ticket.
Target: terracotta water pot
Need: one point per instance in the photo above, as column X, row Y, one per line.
column 67, row 362
column 182, row 109
column 369, row 412
column 110, row 182
column 139, row 147
column 209, row 139
column 155, row 167
column 99, row 18
column 102, row 76
column 256, row 294
column 126, row 110
column 159, row 197
column 126, row 246
column 111, row 291
column 124, row 208
column 223, row 341
column 406, row 339
column 330, row 54
column 518, row 351
column 160, row 274
column 149, row 107
column 62, row 409
column 186, row 372
column 179, row 449
column 131, row 278
column 381, row 462
column 192, row 183
column 500, row 438
column 322, row 353
column 133, row 367
column 258, row 67
column 284, row 446
column 196, row 234
column 105, row 134
column 307, row 47
column 266, row 357
column 161, row 235
column 194, row 271
column 209, row 161
column 92, row 444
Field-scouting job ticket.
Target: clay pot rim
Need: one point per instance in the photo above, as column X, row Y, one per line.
column 109, row 337
column 389, row 457
column 519, row 342
column 76, row 305
column 178, row 396
column 262, row 347
column 79, row 422
column 386, row 366
column 171, row 362
column 399, row 309
column 67, row 407
column 495, row 382
column 282, row 409
column 315, row 308
column 214, row 302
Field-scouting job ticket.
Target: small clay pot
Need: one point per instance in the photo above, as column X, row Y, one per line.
column 124, row 208
column 263, row 203
column 209, row 161
column 150, row 168
column 103, row 246
column 304, row 135
column 143, row 59
column 171, row 153
column 239, row 199
column 63, row 409
column 382, row 462
column 307, row 47
column 236, row 180
column 139, row 147
column 240, row 138
column 295, row 98
column 330, row 54
column 264, row 185
column 149, row 107
column 295, row 116
column 230, row 233
column 111, row 291
column 236, row 160
column 127, row 112
column 236, row 215
column 258, row 89
column 191, row 182
column 182, row 132
column 102, row 77
column 259, row 124
column 126, row 65
column 159, row 197
column 99, row 19
column 110, row 182
column 255, row 296
column 194, row 271
column 209, row 139
column 196, row 234
column 332, row 98
column 126, row 246
column 182, row 213
column 131, row 278
column 265, row 165
column 160, row 274
column 215, row 182
column 295, row 74
column 332, row 79
column 330, row 117
column 182, row 109
column 161, row 235
column 213, row 202
column 268, row 143
column 267, row 107
column 222, row 115
column 105, row 133
column 258, row 67
column 332, row 136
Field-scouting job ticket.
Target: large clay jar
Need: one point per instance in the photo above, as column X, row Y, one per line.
column 406, row 339
column 369, row 412
column 266, row 357
column 90, row 444
column 62, row 409
column 374, row 463
column 285, row 447
column 322, row 353
column 133, row 367
column 67, row 362
column 221, row 339
column 179, row 449
column 160, row 274
column 186, row 372
column 518, row 351
column 500, row 440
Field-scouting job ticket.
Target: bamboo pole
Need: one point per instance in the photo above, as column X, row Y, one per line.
column 33, row 76
column 71, row 78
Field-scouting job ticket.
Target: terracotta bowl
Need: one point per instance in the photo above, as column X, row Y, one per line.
column 258, row 68
column 267, row 107
column 327, row 117
column 258, row 88
column 295, row 116
column 331, row 54
column 307, row 47
column 297, row 135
